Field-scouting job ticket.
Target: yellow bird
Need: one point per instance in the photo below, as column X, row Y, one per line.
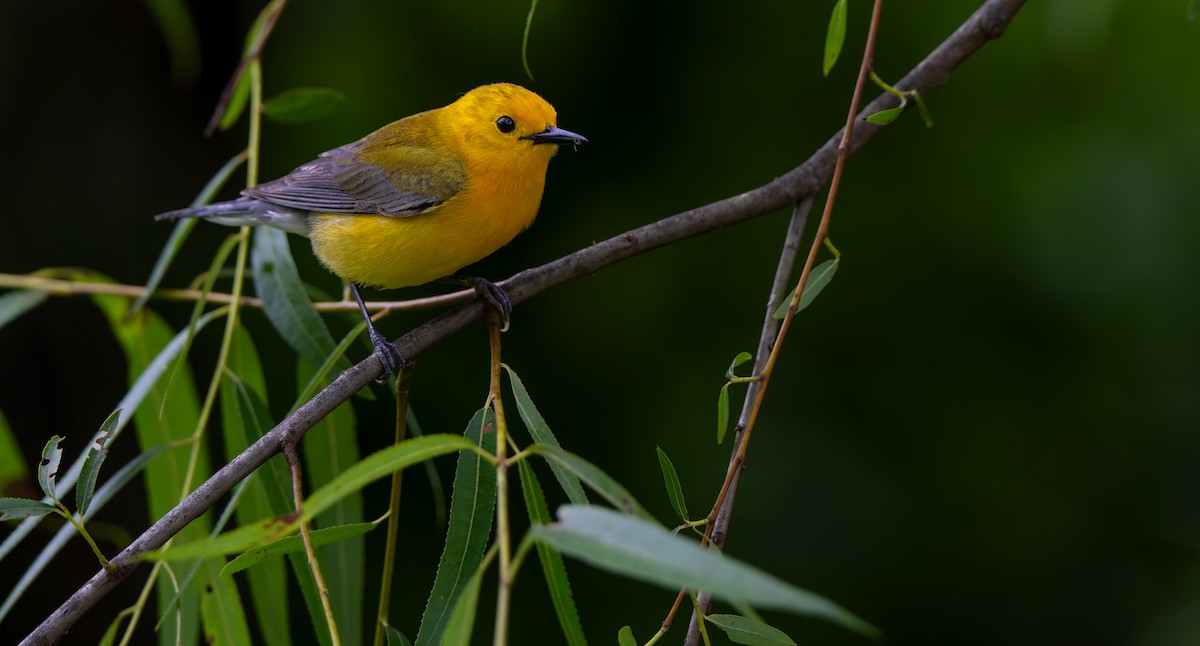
column 418, row 199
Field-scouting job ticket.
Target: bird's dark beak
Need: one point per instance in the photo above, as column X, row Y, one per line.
column 556, row 135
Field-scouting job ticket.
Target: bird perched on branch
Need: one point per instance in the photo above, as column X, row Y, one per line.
column 416, row 200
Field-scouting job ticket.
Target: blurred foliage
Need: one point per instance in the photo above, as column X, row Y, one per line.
column 983, row 432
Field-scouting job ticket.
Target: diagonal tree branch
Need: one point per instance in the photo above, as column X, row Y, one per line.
column 985, row 24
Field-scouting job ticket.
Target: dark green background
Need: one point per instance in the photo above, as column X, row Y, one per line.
column 983, row 432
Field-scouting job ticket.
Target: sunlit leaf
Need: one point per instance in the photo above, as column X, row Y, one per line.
column 742, row 357
column 294, row 543
column 625, row 637
column 221, row 611
column 835, row 37
column 884, row 117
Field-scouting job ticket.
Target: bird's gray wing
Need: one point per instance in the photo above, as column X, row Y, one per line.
column 367, row 178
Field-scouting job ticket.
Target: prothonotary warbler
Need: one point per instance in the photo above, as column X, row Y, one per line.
column 418, row 199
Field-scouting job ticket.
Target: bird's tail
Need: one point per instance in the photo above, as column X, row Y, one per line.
column 245, row 211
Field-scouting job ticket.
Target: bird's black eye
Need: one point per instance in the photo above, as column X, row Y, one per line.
column 506, row 124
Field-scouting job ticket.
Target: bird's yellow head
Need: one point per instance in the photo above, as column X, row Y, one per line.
column 506, row 123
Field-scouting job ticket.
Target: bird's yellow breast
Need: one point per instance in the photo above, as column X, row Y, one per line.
column 495, row 205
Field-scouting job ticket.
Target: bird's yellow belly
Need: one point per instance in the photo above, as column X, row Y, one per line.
column 390, row 252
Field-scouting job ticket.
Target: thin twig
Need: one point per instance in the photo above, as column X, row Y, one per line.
column 503, row 540
column 310, row 550
column 695, row 630
column 61, row 287
column 403, row 384
column 805, row 180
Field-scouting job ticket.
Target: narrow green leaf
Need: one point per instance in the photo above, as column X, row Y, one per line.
column 294, row 543
column 395, row 637
column 472, row 507
column 818, row 278
column 221, row 611
column 590, row 474
column 15, row 304
column 540, row 431
column 625, row 637
column 671, row 481
column 12, row 466
column 884, row 117
column 48, row 467
column 302, row 104
column 641, row 549
column 86, row 487
column 835, row 37
column 723, row 413
column 462, row 618
column 329, row 449
column 552, row 562
column 13, row 508
column 234, row 541
column 284, row 301
column 742, row 357
column 923, row 109
column 382, row 463
column 743, row 630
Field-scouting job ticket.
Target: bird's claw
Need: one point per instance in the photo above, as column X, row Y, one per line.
column 495, row 296
column 388, row 354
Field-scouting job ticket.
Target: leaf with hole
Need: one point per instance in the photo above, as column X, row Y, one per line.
column 48, row 467
column 86, row 486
